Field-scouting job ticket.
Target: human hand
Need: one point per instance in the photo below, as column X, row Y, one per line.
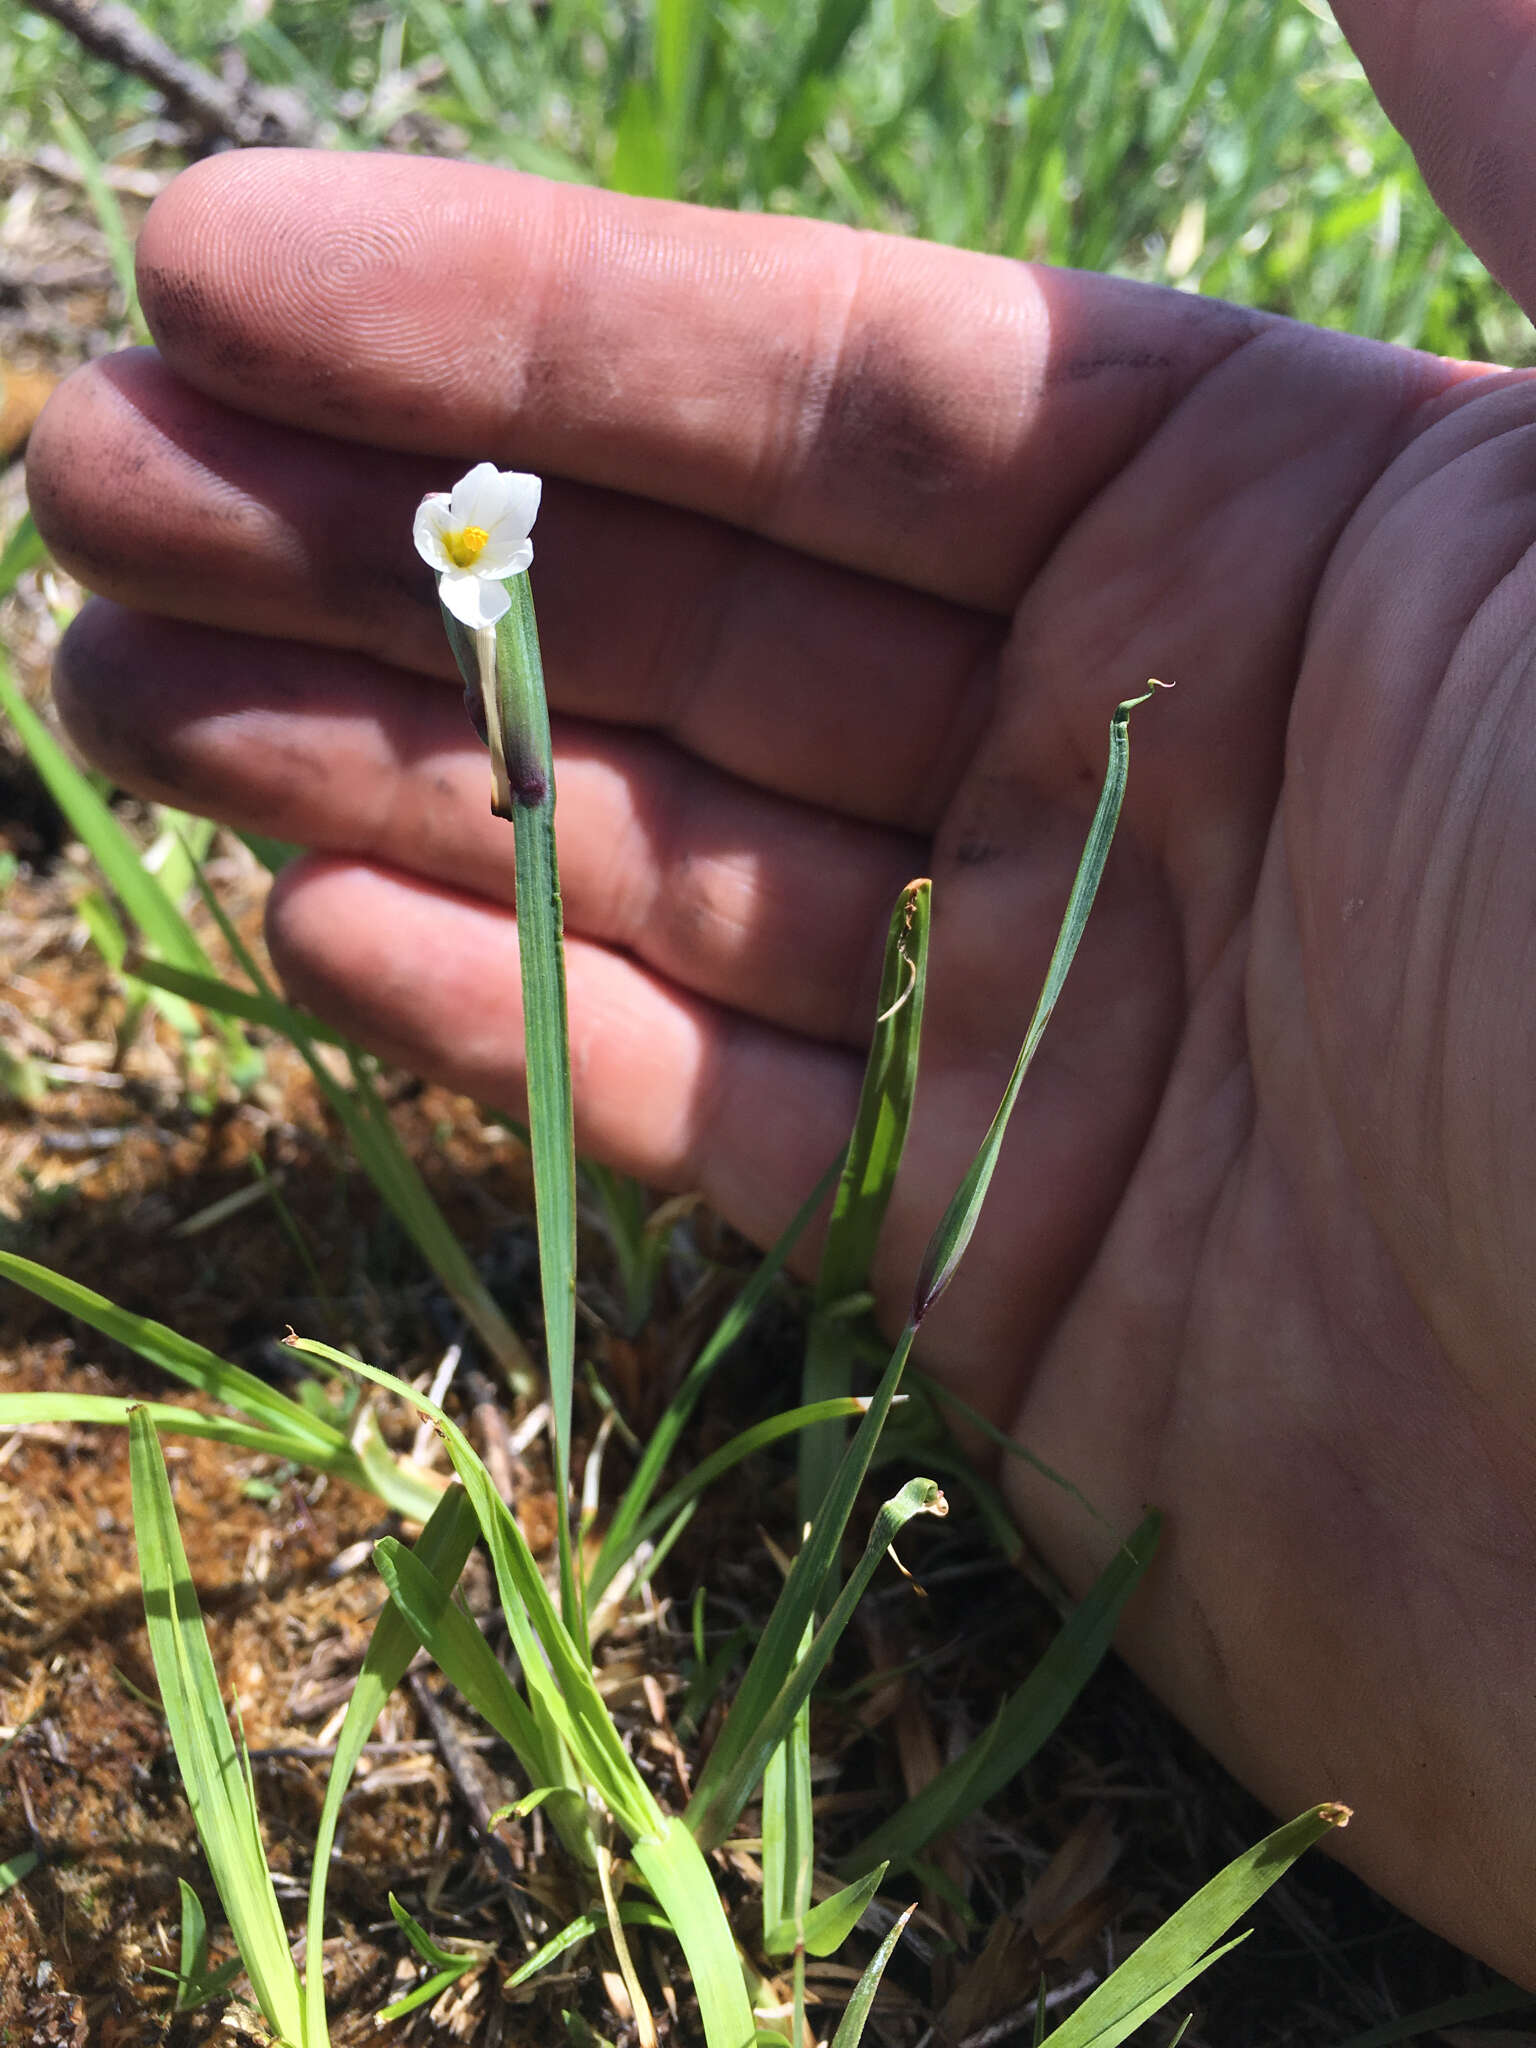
column 849, row 546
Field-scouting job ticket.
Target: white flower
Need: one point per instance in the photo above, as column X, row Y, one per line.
column 476, row 536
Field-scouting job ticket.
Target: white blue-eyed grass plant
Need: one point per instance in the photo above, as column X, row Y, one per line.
column 642, row 1866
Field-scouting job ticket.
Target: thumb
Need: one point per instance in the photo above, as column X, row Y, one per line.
column 1458, row 78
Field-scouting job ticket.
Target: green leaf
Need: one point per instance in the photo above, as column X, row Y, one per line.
column 641, row 163
column 141, row 893
column 829, row 1925
column 15, row 1868
column 440, row 1551
column 23, row 550
column 211, row 993
column 949, row 1241
column 451, row 1639
column 217, row 1785
column 751, row 1731
column 109, row 214
column 850, row 2030
column 633, row 1913
column 179, row 1356
column 623, row 1531
column 456, row 1960
column 746, row 1444
column 672, row 1864
column 788, row 1833
column 196, row 1982
column 1180, row 1949
column 564, row 1696
column 804, row 105
column 868, row 1177
column 555, row 1670
column 422, row 1995
column 523, row 790
column 274, row 854
column 1025, row 1720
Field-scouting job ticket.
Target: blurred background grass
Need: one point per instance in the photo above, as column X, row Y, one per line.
column 1226, row 146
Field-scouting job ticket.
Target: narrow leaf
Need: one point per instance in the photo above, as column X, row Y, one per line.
column 456, row 1960
column 850, row 2030
column 949, row 1241
column 721, row 1795
column 179, row 1356
column 633, row 1913
column 829, row 1925
column 15, row 1868
column 662, row 1441
column 217, row 1786
column 441, row 1550
column 1027, row 1718
column 525, row 791
column 868, row 1176
column 1167, row 1959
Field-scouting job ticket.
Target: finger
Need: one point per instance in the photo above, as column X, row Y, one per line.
column 811, row 680
column 1458, row 77
column 711, row 883
column 667, row 1087
column 932, row 416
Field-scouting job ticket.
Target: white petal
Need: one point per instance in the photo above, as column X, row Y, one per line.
column 474, row 600
column 478, row 498
column 520, row 502
column 489, row 498
column 507, row 557
column 433, row 520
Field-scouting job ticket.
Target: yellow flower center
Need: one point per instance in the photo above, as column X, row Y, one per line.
column 465, row 547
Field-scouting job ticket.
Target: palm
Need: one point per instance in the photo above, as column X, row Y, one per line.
column 920, row 542
column 1277, row 1263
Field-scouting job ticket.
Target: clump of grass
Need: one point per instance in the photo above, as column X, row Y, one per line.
column 1228, row 146
column 555, row 1720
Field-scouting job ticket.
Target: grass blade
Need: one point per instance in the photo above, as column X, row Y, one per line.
column 777, row 1647
column 623, row 1530
column 564, row 1697
column 868, row 1176
column 740, row 1447
column 441, row 1550
column 1168, row 1960
column 850, row 2030
column 788, row 1837
column 451, row 1639
column 15, row 1868
column 750, row 1732
column 1025, row 1720
column 454, row 1960
column 109, row 215
column 218, row 1789
column 256, row 1007
column 394, row 1173
column 632, row 1912
column 826, row 1927
column 959, row 1221
column 522, row 745
column 23, row 550
column 91, row 820
column 176, row 1355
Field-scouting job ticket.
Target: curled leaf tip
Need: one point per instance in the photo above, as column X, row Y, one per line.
column 1336, row 1813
